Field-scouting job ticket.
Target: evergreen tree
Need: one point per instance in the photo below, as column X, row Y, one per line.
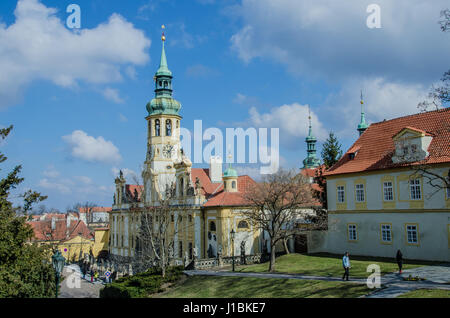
column 25, row 269
column 331, row 151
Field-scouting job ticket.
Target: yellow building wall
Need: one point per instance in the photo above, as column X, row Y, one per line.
column 101, row 241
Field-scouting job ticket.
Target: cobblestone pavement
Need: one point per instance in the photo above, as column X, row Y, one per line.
column 74, row 286
column 393, row 285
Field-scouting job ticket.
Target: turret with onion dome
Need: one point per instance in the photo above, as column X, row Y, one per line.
column 163, row 103
column 230, row 178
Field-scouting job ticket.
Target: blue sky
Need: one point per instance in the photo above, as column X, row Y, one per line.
column 249, row 63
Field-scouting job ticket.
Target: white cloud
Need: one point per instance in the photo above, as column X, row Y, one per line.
column 382, row 100
column 88, row 148
column 38, row 46
column 128, row 174
column 62, row 187
column 245, row 100
column 292, row 120
column 112, row 95
column 84, row 180
column 51, row 172
column 330, row 38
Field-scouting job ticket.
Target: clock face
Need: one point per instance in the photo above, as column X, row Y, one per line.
column 167, row 151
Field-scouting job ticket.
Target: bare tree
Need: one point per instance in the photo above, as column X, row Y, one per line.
column 156, row 235
column 406, row 154
column 276, row 204
column 439, row 94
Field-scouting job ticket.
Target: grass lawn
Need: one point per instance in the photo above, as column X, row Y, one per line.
column 329, row 265
column 427, row 293
column 249, row 287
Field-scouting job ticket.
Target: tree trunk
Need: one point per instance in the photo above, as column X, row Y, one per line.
column 272, row 258
column 285, row 246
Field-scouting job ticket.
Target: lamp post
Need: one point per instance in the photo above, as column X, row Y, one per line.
column 232, row 234
column 58, row 264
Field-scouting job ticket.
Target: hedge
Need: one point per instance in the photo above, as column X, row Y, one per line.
column 141, row 285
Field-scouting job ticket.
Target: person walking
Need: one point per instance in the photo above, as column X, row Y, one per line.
column 92, row 275
column 399, row 258
column 96, row 276
column 346, row 265
column 83, row 270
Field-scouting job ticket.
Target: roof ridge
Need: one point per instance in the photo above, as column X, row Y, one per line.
column 444, row 109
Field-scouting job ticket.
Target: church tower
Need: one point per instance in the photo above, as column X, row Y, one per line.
column 362, row 127
column 163, row 141
column 311, row 160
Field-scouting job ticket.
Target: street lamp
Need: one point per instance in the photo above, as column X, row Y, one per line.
column 232, row 234
column 58, row 264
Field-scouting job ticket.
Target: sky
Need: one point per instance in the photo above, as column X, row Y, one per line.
column 77, row 97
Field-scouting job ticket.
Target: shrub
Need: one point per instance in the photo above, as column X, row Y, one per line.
column 142, row 284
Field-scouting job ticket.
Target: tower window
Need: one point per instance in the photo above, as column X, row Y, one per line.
column 160, row 83
column 181, row 186
column 212, row 226
column 233, row 184
column 165, row 84
column 168, row 127
column 157, row 128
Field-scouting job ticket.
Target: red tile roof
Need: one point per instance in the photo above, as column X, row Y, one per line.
column 376, row 146
column 43, row 230
column 223, row 198
column 95, row 209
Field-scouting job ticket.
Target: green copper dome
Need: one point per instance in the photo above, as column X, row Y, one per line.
column 163, row 103
column 163, row 106
column 230, row 172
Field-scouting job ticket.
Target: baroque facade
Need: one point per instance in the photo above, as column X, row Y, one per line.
column 380, row 198
column 206, row 203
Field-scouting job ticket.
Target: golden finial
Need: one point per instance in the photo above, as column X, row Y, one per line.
column 362, row 102
column 163, row 37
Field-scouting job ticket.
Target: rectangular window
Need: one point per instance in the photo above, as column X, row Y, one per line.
column 352, row 232
column 360, row 193
column 386, row 234
column 341, row 194
column 415, row 189
column 388, row 191
column 412, row 234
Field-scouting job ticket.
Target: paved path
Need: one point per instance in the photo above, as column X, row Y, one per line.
column 393, row 285
column 74, row 286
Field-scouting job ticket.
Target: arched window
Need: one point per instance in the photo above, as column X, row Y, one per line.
column 181, row 186
column 165, row 84
column 160, row 83
column 168, row 127
column 212, row 226
column 243, row 225
column 233, row 184
column 157, row 128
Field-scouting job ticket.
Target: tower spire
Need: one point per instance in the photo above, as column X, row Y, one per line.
column 311, row 160
column 163, row 103
column 362, row 127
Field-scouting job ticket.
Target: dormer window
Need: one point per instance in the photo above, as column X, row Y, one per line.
column 411, row 144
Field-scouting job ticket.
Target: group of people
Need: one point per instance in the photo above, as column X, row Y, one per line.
column 94, row 274
column 346, row 264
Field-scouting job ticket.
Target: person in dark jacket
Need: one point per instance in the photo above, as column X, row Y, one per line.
column 399, row 258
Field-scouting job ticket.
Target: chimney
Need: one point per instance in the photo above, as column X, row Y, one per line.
column 215, row 169
column 53, row 224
